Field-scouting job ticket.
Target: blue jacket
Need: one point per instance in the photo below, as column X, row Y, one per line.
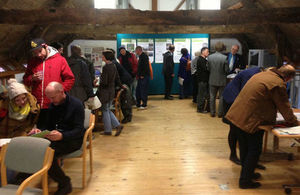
column 233, row 88
column 182, row 72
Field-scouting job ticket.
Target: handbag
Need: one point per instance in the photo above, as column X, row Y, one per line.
column 188, row 64
column 93, row 103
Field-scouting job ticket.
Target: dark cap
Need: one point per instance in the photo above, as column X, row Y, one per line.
column 36, row 44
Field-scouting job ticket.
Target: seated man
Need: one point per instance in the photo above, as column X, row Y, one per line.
column 66, row 126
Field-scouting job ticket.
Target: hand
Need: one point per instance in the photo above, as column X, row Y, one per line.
column 38, row 76
column 34, row 131
column 172, row 75
column 123, row 87
column 95, row 83
column 91, row 99
column 54, row 135
column 141, row 77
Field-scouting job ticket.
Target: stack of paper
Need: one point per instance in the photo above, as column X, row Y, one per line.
column 289, row 130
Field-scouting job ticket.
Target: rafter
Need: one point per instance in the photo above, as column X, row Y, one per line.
column 179, row 5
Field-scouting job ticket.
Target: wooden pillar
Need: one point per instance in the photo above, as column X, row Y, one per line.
column 154, row 5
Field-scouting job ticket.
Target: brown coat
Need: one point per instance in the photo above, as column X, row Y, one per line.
column 13, row 128
column 258, row 102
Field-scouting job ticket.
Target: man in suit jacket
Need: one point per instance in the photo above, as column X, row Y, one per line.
column 234, row 59
column 168, row 71
column 218, row 68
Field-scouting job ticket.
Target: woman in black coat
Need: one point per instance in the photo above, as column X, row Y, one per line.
column 106, row 93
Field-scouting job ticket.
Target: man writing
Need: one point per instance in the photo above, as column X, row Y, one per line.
column 256, row 105
column 65, row 122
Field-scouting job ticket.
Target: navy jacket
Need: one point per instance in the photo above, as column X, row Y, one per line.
column 67, row 118
column 237, row 62
column 233, row 88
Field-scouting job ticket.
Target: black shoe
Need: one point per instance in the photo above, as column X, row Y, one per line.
column 105, row 133
column 169, row 98
column 261, row 167
column 212, row 115
column 235, row 160
column 220, row 116
column 256, row 176
column 119, row 130
column 250, row 185
column 124, row 121
column 64, row 189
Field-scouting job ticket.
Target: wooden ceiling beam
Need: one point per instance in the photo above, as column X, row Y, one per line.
column 154, row 5
column 137, row 17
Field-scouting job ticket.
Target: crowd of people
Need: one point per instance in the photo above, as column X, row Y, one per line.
column 56, row 91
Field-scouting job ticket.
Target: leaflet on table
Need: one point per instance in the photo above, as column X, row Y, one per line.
column 42, row 134
column 289, row 130
column 280, row 118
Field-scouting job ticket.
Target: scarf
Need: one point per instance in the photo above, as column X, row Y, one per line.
column 17, row 113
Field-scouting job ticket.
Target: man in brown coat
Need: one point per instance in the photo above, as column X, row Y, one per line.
column 256, row 105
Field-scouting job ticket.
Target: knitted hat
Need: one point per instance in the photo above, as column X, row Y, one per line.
column 14, row 88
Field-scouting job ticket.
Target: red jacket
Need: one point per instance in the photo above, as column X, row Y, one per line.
column 55, row 68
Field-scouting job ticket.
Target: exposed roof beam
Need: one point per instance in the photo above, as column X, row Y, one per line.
column 137, row 17
column 179, row 5
column 154, row 5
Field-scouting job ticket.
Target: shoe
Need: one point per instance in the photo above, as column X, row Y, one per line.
column 235, row 160
column 125, row 120
column 212, row 115
column 119, row 130
column 261, row 167
column 180, row 97
column 256, row 176
column 169, row 98
column 105, row 133
column 200, row 110
column 250, row 185
column 63, row 190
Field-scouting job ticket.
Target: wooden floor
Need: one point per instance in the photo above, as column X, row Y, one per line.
column 171, row 149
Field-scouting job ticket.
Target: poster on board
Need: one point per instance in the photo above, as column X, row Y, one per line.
column 161, row 46
column 179, row 44
column 148, row 47
column 129, row 44
column 197, row 44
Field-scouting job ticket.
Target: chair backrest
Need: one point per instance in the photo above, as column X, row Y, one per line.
column 26, row 154
column 87, row 114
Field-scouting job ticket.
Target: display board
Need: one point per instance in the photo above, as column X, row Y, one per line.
column 161, row 46
column 179, row 44
column 198, row 44
column 129, row 44
column 148, row 47
column 156, row 45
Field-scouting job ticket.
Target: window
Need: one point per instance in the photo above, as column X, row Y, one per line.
column 210, row 4
column 105, row 4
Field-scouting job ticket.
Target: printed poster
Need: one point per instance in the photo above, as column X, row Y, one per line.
column 161, row 46
column 179, row 44
column 148, row 47
column 198, row 44
column 129, row 44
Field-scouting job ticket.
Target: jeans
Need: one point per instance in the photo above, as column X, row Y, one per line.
column 142, row 91
column 133, row 88
column 109, row 119
column 213, row 94
column 203, row 95
column 250, row 150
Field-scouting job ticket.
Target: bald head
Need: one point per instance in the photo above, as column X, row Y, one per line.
column 288, row 71
column 235, row 49
column 55, row 92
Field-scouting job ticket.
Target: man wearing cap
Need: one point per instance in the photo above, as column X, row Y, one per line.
column 45, row 66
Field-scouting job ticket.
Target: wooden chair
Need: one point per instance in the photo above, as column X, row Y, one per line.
column 118, row 111
column 89, row 123
column 27, row 155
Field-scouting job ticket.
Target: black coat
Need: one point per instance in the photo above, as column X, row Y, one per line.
column 168, row 64
column 108, row 79
column 125, row 77
column 238, row 62
column 82, row 88
column 143, row 65
column 202, row 70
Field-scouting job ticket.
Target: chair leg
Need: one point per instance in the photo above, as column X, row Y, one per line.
column 91, row 159
column 83, row 170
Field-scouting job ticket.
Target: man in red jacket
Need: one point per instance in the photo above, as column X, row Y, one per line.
column 46, row 65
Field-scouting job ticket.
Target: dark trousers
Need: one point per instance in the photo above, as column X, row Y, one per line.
column 142, row 91
column 43, row 118
column 127, row 113
column 62, row 148
column 250, row 150
column 195, row 87
column 168, row 84
column 203, row 96
column 232, row 135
